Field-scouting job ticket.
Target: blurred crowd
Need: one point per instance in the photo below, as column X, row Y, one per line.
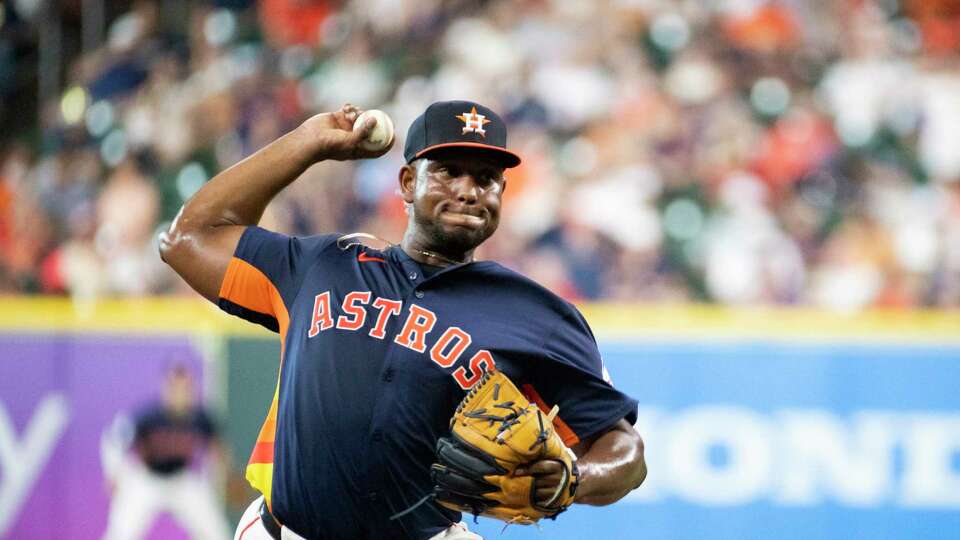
column 738, row 151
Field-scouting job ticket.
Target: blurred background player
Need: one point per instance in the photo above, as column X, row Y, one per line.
column 159, row 474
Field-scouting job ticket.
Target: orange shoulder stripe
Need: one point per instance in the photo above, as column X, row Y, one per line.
column 246, row 286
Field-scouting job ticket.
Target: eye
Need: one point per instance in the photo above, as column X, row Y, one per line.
column 453, row 171
column 489, row 177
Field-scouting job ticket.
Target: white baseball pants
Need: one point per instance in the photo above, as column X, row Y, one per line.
column 141, row 495
column 250, row 528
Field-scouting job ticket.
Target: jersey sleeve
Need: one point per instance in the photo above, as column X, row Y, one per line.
column 205, row 424
column 574, row 378
column 265, row 273
column 144, row 422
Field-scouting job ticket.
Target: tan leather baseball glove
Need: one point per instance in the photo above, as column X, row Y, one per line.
column 495, row 431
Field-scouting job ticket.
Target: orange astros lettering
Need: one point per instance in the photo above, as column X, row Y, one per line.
column 419, row 323
column 387, row 309
column 321, row 319
column 454, row 339
column 358, row 313
column 445, row 351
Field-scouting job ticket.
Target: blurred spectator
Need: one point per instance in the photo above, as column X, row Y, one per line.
column 743, row 152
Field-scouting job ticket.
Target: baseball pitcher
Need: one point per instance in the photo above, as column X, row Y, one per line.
column 415, row 382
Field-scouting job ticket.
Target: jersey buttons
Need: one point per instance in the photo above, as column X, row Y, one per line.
column 413, row 276
column 377, row 436
column 388, row 375
column 418, row 294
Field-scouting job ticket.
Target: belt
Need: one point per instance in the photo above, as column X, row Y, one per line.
column 270, row 523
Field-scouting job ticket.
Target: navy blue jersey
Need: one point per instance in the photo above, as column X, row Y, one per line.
column 166, row 441
column 375, row 358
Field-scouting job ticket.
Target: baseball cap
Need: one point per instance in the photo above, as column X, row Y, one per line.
column 458, row 124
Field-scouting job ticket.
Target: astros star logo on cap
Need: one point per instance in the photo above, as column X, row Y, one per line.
column 446, row 125
column 473, row 122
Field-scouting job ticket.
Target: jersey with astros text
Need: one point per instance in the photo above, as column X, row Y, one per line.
column 375, row 358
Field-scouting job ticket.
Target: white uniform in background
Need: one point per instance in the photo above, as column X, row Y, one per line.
column 157, row 477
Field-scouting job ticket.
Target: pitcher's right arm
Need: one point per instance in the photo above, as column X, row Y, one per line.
column 204, row 235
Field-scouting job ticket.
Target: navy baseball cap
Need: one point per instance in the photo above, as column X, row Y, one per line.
column 458, row 124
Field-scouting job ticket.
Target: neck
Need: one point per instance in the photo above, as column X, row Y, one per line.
column 178, row 410
column 423, row 253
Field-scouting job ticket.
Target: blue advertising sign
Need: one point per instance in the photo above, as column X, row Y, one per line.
column 772, row 439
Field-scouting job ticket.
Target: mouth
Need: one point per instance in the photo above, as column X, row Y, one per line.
column 463, row 218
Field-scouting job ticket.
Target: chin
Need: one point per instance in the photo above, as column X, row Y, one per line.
column 462, row 239
column 452, row 239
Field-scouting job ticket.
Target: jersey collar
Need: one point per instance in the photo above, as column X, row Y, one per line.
column 412, row 268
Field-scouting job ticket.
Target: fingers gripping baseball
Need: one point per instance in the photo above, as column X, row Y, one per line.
column 337, row 137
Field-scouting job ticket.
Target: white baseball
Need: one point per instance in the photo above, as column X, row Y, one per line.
column 382, row 133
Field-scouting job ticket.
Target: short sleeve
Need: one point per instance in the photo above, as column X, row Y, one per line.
column 205, row 425
column 265, row 273
column 574, row 378
column 144, row 422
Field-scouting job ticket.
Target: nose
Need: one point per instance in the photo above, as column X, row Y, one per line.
column 467, row 189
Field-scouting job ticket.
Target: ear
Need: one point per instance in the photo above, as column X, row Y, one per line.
column 408, row 182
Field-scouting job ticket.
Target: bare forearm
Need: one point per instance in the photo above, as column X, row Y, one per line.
column 612, row 467
column 239, row 195
column 204, row 235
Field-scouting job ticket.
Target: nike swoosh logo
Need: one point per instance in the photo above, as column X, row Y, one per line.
column 363, row 257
